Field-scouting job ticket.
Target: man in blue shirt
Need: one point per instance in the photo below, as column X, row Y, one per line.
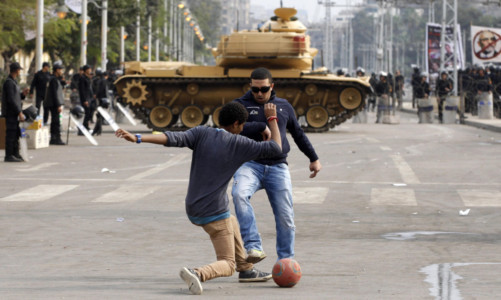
column 217, row 154
column 271, row 174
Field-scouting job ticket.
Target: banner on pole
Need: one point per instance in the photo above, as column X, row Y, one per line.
column 433, row 49
column 485, row 45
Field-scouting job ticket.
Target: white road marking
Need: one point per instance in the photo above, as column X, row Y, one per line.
column 173, row 161
column 309, row 195
column 39, row 193
column 127, row 193
column 485, row 198
column 385, row 148
column 405, row 170
column 393, row 196
column 38, row 167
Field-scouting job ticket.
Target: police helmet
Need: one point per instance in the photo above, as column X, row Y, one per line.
column 424, row 74
column 78, row 111
column 99, row 71
column 383, row 73
column 104, row 102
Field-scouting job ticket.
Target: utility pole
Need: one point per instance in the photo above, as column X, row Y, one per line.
column 328, row 50
column 149, row 37
column 450, row 6
column 104, row 34
column 83, row 38
column 138, row 32
column 39, row 39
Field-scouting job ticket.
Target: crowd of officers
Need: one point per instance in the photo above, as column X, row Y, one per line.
column 88, row 91
column 474, row 83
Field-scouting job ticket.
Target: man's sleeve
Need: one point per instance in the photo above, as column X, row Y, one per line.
column 34, row 83
column 253, row 130
column 182, row 138
column 250, row 149
column 11, row 96
column 299, row 137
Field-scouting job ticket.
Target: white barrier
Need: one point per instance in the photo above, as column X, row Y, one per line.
column 485, row 106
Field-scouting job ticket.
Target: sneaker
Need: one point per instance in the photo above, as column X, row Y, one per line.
column 254, row 256
column 12, row 158
column 253, row 275
column 192, row 280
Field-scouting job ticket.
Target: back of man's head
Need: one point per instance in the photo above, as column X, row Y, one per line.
column 231, row 112
column 261, row 73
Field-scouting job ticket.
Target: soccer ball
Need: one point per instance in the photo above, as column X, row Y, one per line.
column 286, row 272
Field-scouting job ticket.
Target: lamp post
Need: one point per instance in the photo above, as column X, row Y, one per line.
column 138, row 32
column 83, row 44
column 39, row 39
column 104, row 34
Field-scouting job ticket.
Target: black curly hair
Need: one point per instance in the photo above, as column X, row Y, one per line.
column 261, row 73
column 231, row 112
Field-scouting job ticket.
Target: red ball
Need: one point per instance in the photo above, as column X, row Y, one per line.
column 286, row 272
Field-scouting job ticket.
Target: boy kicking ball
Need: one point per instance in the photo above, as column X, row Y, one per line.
column 217, row 154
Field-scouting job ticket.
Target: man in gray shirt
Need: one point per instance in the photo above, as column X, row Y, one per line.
column 217, row 154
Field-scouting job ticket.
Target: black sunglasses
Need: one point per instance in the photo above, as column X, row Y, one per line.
column 263, row 89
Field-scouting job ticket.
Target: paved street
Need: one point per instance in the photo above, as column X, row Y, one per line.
column 381, row 221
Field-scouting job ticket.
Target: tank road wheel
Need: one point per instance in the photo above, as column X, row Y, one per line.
column 192, row 89
column 135, row 92
column 215, row 115
column 192, row 116
column 160, row 117
column 350, row 98
column 317, row 116
column 311, row 89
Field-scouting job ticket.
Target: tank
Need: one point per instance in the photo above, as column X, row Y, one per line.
column 167, row 95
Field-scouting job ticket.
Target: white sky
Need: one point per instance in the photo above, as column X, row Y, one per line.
column 315, row 10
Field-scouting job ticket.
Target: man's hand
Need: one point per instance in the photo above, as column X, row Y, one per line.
column 315, row 168
column 266, row 133
column 120, row 133
column 59, row 109
column 21, row 117
column 270, row 110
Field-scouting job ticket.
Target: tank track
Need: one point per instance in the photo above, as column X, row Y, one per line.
column 142, row 113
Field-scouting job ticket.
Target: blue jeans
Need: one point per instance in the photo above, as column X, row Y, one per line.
column 276, row 180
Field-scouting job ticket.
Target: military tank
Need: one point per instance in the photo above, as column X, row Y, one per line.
column 167, row 95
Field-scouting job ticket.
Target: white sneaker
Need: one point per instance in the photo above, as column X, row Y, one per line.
column 192, row 280
column 254, row 256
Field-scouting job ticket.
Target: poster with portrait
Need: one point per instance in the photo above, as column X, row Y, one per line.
column 433, row 49
column 486, row 45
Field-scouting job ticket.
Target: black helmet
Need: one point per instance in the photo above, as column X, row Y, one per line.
column 105, row 102
column 78, row 111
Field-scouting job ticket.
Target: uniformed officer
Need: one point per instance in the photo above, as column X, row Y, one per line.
column 39, row 84
column 12, row 111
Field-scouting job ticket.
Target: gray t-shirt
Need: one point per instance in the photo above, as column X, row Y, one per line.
column 217, row 155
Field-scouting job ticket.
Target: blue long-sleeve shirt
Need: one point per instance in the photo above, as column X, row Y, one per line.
column 217, row 155
column 287, row 120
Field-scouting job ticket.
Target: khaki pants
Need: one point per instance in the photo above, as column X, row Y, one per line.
column 230, row 252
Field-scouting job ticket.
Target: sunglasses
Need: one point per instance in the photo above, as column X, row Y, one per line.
column 263, row 89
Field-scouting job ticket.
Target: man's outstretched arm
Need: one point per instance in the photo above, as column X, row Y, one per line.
column 160, row 139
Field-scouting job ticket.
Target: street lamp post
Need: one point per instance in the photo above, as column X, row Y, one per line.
column 138, row 32
column 83, row 45
column 39, row 39
column 104, row 34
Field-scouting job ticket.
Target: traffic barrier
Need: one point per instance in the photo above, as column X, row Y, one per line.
column 450, row 109
column 425, row 110
column 485, row 106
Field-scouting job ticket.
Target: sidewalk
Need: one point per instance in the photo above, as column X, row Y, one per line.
column 470, row 120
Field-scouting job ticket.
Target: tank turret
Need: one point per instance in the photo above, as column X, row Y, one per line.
column 279, row 43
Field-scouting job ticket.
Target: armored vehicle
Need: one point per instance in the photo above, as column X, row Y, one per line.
column 178, row 94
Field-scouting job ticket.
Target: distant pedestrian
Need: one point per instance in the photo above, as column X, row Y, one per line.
column 101, row 99
column 444, row 87
column 39, row 84
column 399, row 88
column 86, row 94
column 383, row 91
column 54, row 102
column 12, row 111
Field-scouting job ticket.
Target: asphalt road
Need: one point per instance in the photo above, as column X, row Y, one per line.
column 381, row 221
